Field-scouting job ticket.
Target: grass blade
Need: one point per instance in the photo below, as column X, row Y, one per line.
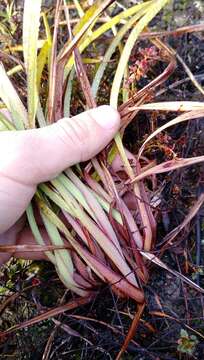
column 105, row 27
column 5, row 124
column 12, row 101
column 36, row 233
column 31, row 24
column 171, row 106
column 53, row 65
column 99, row 9
column 152, row 10
column 64, row 265
column 170, row 165
column 111, row 50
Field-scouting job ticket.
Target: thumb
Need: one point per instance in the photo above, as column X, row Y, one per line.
column 38, row 155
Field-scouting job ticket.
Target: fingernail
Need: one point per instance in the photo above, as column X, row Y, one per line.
column 107, row 117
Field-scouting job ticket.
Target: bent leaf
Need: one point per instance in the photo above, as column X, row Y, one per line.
column 169, row 166
column 184, row 117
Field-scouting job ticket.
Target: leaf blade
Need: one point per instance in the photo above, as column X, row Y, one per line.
column 12, row 101
column 31, row 24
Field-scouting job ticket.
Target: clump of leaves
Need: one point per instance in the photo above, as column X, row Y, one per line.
column 187, row 343
column 8, row 25
column 107, row 242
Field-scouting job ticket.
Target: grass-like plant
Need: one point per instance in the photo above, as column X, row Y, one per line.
column 103, row 242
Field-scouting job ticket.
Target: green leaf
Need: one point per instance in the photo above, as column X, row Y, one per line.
column 47, row 28
column 152, row 10
column 74, row 191
column 31, row 23
column 45, row 51
column 85, row 17
column 63, row 264
column 68, row 93
column 96, row 209
column 111, row 50
column 68, row 48
column 55, row 197
column 79, row 8
column 87, row 40
column 112, row 250
column 36, row 232
column 12, row 101
column 104, row 242
column 42, row 61
column 5, row 124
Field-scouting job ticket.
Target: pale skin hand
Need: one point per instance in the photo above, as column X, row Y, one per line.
column 30, row 157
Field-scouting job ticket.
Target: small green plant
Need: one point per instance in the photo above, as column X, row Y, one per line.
column 8, row 25
column 187, row 343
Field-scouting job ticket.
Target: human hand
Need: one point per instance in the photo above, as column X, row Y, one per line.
column 30, row 157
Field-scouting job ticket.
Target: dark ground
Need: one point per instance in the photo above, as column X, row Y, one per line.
column 172, row 306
